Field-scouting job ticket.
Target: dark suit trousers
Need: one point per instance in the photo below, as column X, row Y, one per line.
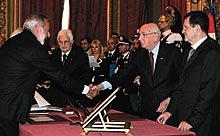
column 9, row 127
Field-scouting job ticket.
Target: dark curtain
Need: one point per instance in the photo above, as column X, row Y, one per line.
column 88, row 17
column 132, row 16
column 52, row 8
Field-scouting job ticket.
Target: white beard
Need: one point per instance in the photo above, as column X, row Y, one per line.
column 42, row 37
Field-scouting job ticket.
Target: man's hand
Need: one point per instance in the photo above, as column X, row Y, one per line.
column 163, row 117
column 184, row 126
column 163, row 105
column 93, row 91
column 45, row 84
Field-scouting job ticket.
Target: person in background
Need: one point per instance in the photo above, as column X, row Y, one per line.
column 115, row 36
column 166, row 23
column 136, row 42
column 73, row 61
column 85, row 44
column 23, row 59
column 98, row 74
column 196, row 100
column 112, row 54
column 159, row 68
column 127, row 97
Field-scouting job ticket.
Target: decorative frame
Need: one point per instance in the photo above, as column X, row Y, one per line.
column 10, row 16
column 113, row 17
column 202, row 5
column 3, row 18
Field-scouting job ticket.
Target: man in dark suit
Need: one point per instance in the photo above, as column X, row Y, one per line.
column 197, row 97
column 75, row 64
column 112, row 54
column 157, row 84
column 23, row 59
column 127, row 97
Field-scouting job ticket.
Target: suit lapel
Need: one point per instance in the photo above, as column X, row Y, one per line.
column 161, row 58
column 196, row 53
column 145, row 60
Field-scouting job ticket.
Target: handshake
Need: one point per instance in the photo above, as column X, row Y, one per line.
column 94, row 90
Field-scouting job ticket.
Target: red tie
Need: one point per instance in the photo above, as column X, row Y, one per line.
column 151, row 54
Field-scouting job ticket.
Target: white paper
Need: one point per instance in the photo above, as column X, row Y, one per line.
column 93, row 62
column 39, row 118
column 43, row 105
column 40, row 100
column 45, row 108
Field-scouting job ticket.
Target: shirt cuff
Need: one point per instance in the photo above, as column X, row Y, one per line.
column 85, row 90
column 107, row 85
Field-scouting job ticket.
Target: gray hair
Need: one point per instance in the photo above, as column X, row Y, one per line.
column 156, row 30
column 34, row 19
column 67, row 32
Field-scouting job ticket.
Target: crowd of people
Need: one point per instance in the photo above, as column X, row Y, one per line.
column 165, row 75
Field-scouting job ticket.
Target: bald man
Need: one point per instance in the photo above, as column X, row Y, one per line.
column 157, row 80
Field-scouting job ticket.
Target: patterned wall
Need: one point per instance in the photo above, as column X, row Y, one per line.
column 3, row 20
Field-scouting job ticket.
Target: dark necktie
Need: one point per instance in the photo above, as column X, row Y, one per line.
column 120, row 60
column 191, row 51
column 64, row 58
column 151, row 54
column 110, row 55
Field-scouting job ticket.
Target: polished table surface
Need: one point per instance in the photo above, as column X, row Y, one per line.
column 140, row 127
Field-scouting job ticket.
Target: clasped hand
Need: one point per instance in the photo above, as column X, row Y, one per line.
column 93, row 91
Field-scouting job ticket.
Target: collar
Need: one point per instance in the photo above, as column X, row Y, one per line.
column 67, row 53
column 125, row 54
column 112, row 52
column 196, row 45
column 156, row 48
column 166, row 33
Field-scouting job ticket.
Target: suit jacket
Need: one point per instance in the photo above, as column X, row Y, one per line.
column 155, row 89
column 197, row 97
column 112, row 61
column 127, row 97
column 22, row 60
column 76, row 66
column 100, row 74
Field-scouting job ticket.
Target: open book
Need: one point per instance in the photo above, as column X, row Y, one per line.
column 43, row 105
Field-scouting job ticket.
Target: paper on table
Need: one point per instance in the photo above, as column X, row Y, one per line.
column 40, row 100
column 93, row 62
column 39, row 118
column 43, row 104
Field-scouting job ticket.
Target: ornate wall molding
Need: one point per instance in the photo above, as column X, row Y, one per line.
column 10, row 16
column 3, row 18
column 202, row 5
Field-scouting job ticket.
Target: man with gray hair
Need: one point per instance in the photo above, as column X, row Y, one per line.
column 73, row 61
column 23, row 59
column 159, row 67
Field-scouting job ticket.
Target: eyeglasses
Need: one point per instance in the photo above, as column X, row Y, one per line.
column 185, row 27
column 145, row 34
column 63, row 42
column 161, row 21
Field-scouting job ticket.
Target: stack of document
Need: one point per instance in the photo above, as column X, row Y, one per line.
column 45, row 108
column 43, row 105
